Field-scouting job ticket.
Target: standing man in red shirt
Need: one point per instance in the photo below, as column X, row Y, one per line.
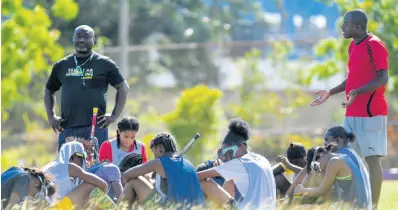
column 366, row 105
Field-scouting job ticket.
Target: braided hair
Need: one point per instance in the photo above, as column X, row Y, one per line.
column 127, row 124
column 130, row 161
column 165, row 139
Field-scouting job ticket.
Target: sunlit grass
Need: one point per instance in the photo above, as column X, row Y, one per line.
column 388, row 201
column 43, row 152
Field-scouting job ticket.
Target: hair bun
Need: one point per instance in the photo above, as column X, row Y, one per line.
column 239, row 127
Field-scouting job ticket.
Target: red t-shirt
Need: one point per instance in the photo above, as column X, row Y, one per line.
column 365, row 59
column 105, row 152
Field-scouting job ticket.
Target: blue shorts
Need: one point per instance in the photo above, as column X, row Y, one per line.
column 84, row 132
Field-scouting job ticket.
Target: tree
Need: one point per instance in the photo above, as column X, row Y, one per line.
column 197, row 111
column 29, row 46
column 176, row 22
column 382, row 22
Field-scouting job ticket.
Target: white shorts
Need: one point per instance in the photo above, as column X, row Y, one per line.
column 370, row 135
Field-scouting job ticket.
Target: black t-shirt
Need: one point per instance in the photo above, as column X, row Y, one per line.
column 81, row 94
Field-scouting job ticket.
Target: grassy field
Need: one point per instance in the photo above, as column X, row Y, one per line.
column 388, row 199
column 389, row 195
column 39, row 153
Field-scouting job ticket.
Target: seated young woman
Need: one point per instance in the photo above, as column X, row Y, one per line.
column 183, row 187
column 248, row 172
column 131, row 161
column 342, row 138
column 218, row 179
column 19, row 183
column 341, row 174
column 125, row 143
column 68, row 171
column 108, row 172
column 295, row 161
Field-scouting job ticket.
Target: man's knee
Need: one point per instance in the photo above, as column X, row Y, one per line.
column 373, row 160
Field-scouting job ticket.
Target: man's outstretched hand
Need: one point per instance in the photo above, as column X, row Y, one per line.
column 351, row 97
column 323, row 95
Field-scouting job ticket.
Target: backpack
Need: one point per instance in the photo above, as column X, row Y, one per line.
column 11, row 173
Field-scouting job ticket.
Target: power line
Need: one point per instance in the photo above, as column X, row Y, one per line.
column 195, row 45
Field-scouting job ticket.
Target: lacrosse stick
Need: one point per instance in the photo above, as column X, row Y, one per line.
column 93, row 156
column 197, row 135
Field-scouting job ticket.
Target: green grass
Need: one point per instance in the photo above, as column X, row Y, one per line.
column 388, row 200
column 41, row 153
column 389, row 195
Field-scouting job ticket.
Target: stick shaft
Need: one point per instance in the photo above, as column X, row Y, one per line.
column 197, row 135
column 93, row 121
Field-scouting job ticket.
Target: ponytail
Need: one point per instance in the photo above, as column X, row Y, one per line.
column 339, row 131
column 351, row 137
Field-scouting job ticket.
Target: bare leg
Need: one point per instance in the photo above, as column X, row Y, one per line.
column 282, row 184
column 215, row 192
column 139, row 187
column 127, row 197
column 117, row 188
column 376, row 177
column 80, row 195
column 311, row 181
column 229, row 186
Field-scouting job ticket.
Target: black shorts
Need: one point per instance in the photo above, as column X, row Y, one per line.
column 84, row 132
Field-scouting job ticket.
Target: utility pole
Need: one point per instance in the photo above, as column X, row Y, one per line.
column 124, row 36
column 124, row 42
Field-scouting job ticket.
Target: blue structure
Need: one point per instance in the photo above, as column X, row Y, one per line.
column 249, row 29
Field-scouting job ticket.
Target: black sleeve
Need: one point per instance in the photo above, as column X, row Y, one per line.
column 203, row 166
column 53, row 82
column 113, row 73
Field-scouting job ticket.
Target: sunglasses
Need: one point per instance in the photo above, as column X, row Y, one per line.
column 225, row 150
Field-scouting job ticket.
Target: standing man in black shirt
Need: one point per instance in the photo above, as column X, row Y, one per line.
column 84, row 77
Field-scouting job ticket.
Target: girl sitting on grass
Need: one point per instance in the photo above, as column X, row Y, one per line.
column 19, row 183
column 68, row 171
column 340, row 174
column 125, row 143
